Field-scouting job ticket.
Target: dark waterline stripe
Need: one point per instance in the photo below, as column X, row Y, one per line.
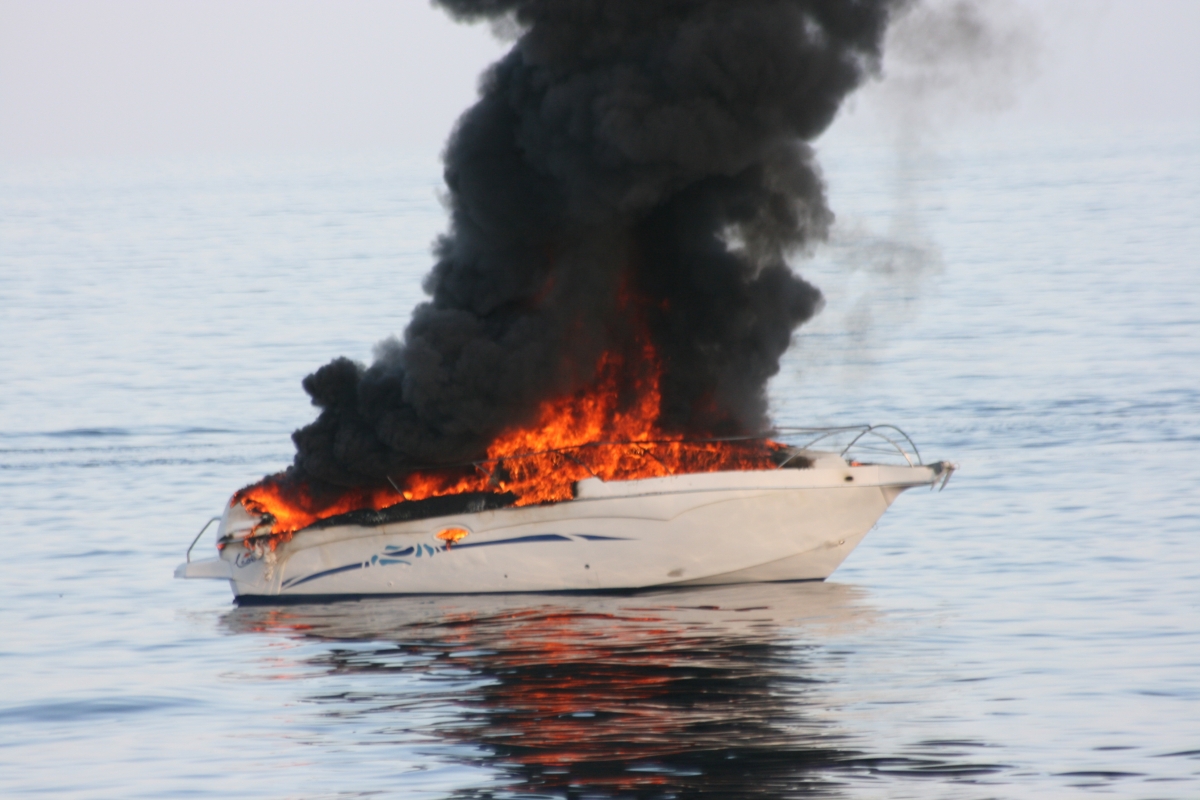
column 322, row 599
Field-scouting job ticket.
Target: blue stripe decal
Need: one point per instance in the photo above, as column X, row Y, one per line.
column 293, row 582
column 541, row 537
column 389, row 556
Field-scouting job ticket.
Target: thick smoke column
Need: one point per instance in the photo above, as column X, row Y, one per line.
column 631, row 167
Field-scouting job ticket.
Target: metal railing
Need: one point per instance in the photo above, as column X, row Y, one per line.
column 875, row 440
column 188, row 555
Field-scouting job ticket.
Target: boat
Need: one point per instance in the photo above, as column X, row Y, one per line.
column 796, row 522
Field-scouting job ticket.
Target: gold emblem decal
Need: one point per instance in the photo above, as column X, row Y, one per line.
column 452, row 536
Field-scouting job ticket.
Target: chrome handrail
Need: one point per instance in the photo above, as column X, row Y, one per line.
column 188, row 556
column 874, row 429
column 862, row 431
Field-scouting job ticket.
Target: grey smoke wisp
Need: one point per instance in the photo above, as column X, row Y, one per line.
column 631, row 168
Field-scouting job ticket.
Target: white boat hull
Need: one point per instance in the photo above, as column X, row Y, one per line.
column 697, row 529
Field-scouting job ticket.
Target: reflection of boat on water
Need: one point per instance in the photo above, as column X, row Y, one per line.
column 745, row 611
column 596, row 696
column 722, row 691
column 795, row 522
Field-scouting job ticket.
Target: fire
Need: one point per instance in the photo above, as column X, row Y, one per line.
column 609, row 430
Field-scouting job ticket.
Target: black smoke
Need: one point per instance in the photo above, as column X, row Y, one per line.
column 630, row 165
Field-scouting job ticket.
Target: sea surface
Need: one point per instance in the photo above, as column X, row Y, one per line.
column 1027, row 306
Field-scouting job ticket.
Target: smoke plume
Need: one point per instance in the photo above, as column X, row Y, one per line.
column 632, row 169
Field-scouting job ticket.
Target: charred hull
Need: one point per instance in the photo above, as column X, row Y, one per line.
column 449, row 505
column 692, row 529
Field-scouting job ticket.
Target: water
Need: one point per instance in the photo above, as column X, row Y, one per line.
column 1029, row 308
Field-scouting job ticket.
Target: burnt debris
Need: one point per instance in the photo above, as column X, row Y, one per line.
column 445, row 506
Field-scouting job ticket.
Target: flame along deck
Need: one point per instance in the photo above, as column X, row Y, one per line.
column 692, row 529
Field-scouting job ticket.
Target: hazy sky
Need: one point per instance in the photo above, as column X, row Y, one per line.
column 178, row 77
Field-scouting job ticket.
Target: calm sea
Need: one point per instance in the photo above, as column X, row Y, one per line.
column 1027, row 307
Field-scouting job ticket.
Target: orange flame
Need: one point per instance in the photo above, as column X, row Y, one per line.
column 592, row 433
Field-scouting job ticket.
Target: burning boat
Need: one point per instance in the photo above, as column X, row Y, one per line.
column 793, row 514
column 577, row 404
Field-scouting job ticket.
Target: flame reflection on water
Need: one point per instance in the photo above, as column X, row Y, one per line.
column 661, row 694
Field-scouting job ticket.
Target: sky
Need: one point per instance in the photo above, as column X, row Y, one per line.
column 96, row 78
